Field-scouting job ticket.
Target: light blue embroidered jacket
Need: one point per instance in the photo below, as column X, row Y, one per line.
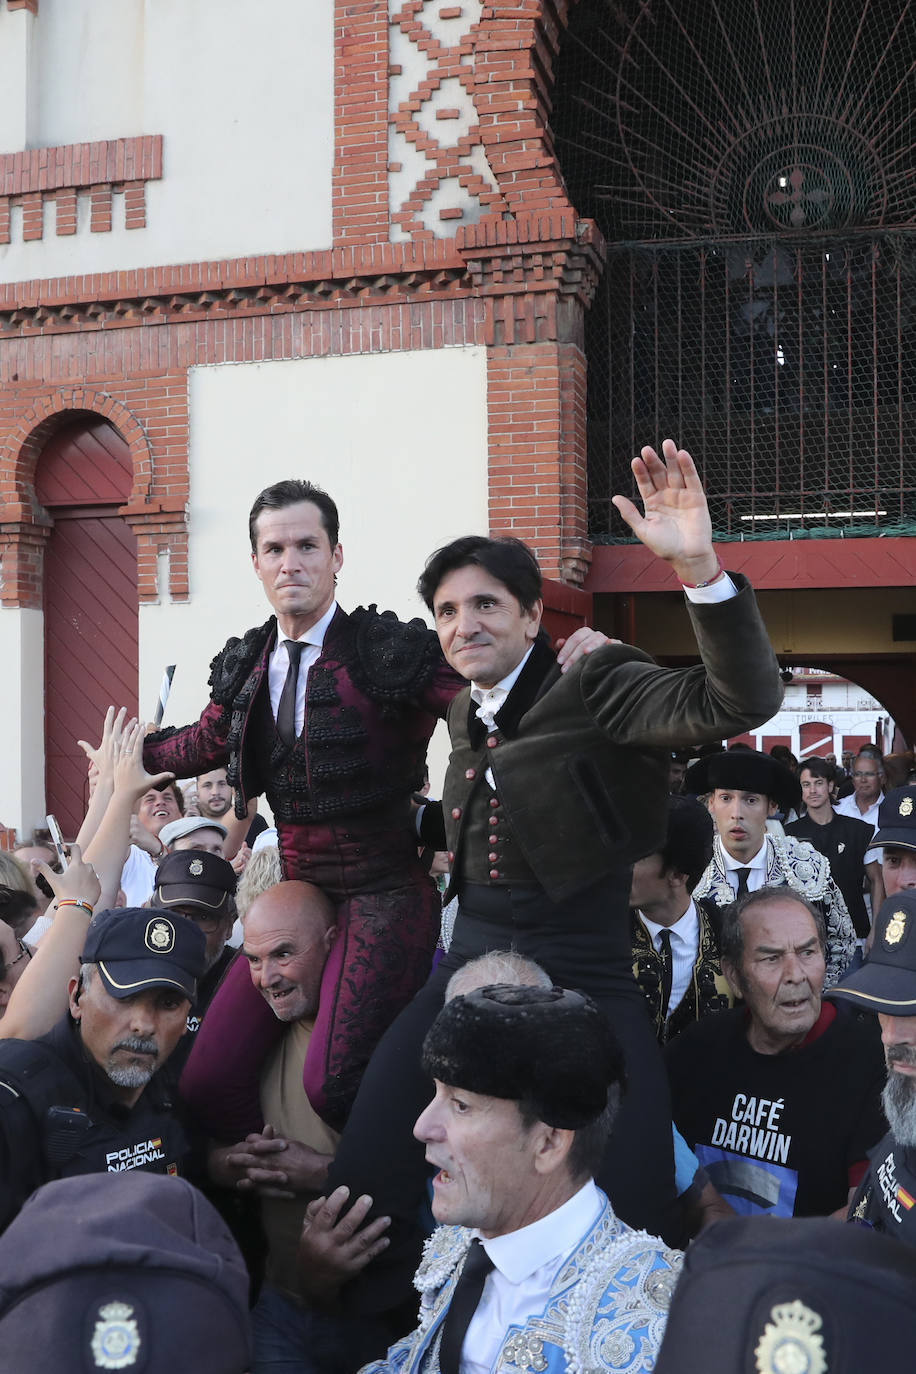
column 607, row 1307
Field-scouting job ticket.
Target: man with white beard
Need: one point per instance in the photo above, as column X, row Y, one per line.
column 886, row 985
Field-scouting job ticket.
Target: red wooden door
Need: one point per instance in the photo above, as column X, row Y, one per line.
column 90, row 603
column 815, row 737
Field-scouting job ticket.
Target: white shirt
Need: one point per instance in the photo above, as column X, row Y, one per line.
column 526, row 1264
column 490, row 699
column 685, row 942
column 138, row 876
column 278, row 666
column 758, row 866
column 848, row 806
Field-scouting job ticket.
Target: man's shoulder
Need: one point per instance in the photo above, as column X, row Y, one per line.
column 710, row 1033
column 622, row 1277
column 389, row 659
column 235, row 660
column 806, row 864
column 853, row 825
column 806, row 829
column 40, row 1072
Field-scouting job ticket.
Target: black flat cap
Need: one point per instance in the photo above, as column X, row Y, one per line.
column 548, row 1047
column 745, row 770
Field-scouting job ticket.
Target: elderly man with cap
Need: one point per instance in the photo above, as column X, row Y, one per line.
column 529, row 1267
column 88, row 1097
column 885, row 985
column 743, row 788
column 194, row 832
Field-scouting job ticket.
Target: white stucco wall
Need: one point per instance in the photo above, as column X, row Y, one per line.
column 398, row 439
column 22, row 762
column 242, row 94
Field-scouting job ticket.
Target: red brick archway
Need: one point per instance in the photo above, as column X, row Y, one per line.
column 24, row 525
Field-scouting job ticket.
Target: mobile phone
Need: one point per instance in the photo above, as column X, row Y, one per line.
column 57, row 840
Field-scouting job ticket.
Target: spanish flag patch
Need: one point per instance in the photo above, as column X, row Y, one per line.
column 906, row 1198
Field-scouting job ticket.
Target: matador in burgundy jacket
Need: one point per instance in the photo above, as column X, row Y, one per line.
column 341, row 801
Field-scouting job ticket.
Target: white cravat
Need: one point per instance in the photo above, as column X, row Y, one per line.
column 278, row 666
column 490, row 699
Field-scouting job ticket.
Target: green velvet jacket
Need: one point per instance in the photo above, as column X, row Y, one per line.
column 579, row 758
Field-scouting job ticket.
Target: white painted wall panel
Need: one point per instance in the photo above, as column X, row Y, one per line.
column 22, row 761
column 242, row 93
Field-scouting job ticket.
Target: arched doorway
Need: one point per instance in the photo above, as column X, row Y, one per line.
column 90, row 600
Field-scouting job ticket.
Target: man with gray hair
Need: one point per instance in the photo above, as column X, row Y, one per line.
column 88, row 1097
column 885, row 986
column 755, row 1089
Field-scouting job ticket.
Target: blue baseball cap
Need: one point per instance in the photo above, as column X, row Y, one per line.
column 136, row 948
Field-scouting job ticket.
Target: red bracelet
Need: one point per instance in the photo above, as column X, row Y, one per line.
column 697, row 586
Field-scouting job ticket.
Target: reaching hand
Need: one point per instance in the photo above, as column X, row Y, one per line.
column 79, row 879
column 676, row 524
column 102, row 756
column 336, row 1245
column 129, row 773
column 583, row 641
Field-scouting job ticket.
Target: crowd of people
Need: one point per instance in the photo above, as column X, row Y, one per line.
column 674, row 998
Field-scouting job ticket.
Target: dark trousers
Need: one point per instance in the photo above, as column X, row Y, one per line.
column 585, row 945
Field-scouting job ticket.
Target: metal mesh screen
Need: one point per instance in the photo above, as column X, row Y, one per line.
column 752, row 167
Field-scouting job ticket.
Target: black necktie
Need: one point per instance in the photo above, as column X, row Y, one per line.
column 667, row 968
column 743, row 875
column 463, row 1306
column 286, row 711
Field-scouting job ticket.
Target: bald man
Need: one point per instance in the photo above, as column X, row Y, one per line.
column 288, row 933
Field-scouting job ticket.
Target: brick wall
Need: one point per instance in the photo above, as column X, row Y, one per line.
column 517, row 278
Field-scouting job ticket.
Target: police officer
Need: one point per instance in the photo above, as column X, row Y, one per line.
column 886, row 986
column 201, row 887
column 87, row 1097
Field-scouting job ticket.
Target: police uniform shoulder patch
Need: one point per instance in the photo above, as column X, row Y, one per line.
column 195, row 868
column 160, row 935
column 116, row 1338
column 895, row 929
column 791, row 1343
column 906, row 807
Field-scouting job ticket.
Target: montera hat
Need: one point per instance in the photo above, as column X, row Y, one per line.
column 186, row 825
column 886, row 982
column 191, row 877
column 745, row 770
column 136, row 948
column 547, row 1047
column 132, row 1271
column 897, row 819
column 768, row 1295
